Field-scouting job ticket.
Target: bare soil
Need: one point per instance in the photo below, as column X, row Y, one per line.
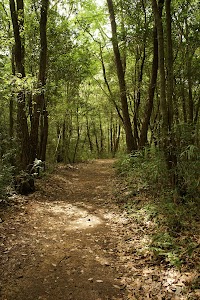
column 59, row 244
column 70, row 240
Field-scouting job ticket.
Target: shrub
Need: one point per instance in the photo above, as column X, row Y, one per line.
column 6, row 171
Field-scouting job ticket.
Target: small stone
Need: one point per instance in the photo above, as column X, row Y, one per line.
column 90, row 279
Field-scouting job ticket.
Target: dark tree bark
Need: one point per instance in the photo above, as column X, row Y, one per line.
column 170, row 75
column 168, row 141
column 108, row 87
column 152, row 86
column 130, row 140
column 189, row 56
column 40, row 114
column 44, row 133
column 172, row 155
column 161, row 63
column 101, row 136
column 11, row 106
column 88, row 135
column 140, row 78
column 17, row 16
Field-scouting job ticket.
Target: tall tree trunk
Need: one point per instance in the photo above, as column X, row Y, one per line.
column 112, row 98
column 101, row 136
column 161, row 63
column 184, row 109
column 11, row 106
column 17, row 17
column 130, row 140
column 172, row 156
column 189, row 74
column 140, row 78
column 44, row 134
column 168, row 141
column 78, row 130
column 116, row 141
column 152, row 86
column 170, row 75
column 39, row 110
column 88, row 135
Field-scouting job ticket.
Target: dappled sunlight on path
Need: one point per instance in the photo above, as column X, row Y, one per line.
column 61, row 245
column 71, row 241
column 64, row 216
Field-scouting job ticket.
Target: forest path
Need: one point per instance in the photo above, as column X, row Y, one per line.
column 61, row 243
column 71, row 241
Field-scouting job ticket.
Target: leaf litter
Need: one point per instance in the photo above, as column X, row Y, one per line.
column 71, row 240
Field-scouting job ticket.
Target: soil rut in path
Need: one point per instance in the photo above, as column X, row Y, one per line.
column 61, row 243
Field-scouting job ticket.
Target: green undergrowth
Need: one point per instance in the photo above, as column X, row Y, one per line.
column 146, row 196
column 6, row 173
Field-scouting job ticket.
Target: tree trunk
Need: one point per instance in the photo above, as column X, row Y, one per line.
column 44, row 135
column 39, row 109
column 189, row 75
column 11, row 106
column 116, row 141
column 140, row 78
column 112, row 98
column 88, row 135
column 172, row 156
column 17, row 17
column 130, row 140
column 152, row 86
column 161, row 63
column 170, row 75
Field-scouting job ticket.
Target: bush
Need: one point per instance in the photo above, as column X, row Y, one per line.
column 5, row 178
column 146, row 168
column 189, row 170
column 174, row 240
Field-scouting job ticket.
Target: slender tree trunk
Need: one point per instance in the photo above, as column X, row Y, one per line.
column 17, row 17
column 189, row 76
column 197, row 112
column 172, row 155
column 78, row 136
column 140, row 78
column 161, row 63
column 112, row 98
column 138, row 96
column 130, row 140
column 40, row 105
column 44, row 134
column 11, row 106
column 101, row 136
column 88, row 135
column 168, row 141
column 170, row 75
column 152, row 86
column 116, row 143
column 183, row 102
column 96, row 141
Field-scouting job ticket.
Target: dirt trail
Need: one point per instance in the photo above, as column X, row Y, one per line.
column 61, row 243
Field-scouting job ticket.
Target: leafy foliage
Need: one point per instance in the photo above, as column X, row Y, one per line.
column 5, row 177
column 173, row 240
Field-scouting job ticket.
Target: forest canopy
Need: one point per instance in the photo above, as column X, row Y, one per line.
column 88, row 79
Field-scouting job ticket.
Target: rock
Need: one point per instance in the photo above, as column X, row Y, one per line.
column 24, row 184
